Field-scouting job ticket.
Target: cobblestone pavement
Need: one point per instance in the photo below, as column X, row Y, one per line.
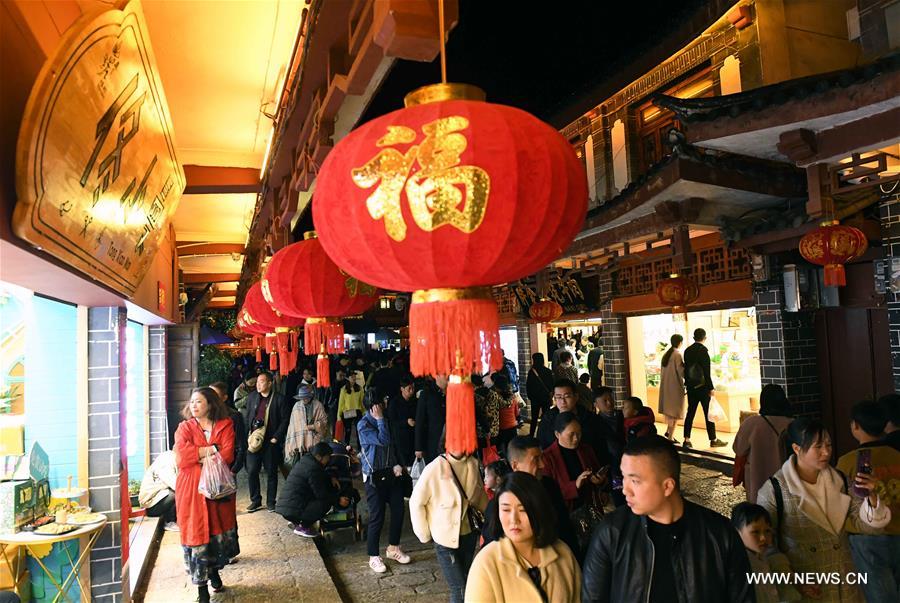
column 422, row 579
column 274, row 565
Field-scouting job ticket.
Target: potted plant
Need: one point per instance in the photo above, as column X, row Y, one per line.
column 134, row 487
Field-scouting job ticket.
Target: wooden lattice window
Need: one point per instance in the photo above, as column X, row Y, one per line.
column 711, row 265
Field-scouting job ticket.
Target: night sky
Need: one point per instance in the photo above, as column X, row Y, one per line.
column 544, row 57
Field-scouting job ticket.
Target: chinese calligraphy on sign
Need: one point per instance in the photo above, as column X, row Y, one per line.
column 439, row 191
column 97, row 175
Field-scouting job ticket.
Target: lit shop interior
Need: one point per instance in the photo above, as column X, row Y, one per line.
column 731, row 339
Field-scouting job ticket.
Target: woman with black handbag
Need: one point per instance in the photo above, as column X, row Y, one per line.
column 387, row 483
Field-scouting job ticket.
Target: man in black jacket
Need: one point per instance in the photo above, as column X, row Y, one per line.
column 525, row 454
column 699, row 384
column 539, row 387
column 565, row 399
column 431, row 415
column 662, row 548
column 266, row 406
column 309, row 493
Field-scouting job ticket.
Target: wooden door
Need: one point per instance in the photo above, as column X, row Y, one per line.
column 183, row 357
column 854, row 364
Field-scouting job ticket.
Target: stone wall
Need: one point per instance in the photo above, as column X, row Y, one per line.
column 614, row 344
column 106, row 378
column 890, row 237
column 787, row 348
column 159, row 434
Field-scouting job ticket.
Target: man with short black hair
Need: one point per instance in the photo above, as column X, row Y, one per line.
column 661, row 547
column 266, row 407
column 309, row 493
column 525, row 454
column 565, row 399
column 699, row 384
column 876, row 555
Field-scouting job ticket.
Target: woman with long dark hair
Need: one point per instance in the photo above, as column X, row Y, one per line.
column 525, row 562
column 671, row 385
column 208, row 527
column 757, row 443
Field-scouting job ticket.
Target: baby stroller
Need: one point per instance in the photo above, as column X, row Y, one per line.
column 343, row 467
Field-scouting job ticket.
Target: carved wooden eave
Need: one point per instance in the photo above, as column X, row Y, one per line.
column 343, row 52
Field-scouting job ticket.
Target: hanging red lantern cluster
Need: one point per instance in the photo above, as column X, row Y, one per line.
column 301, row 280
column 445, row 198
column 677, row 291
column 281, row 340
column 832, row 245
column 248, row 325
column 546, row 310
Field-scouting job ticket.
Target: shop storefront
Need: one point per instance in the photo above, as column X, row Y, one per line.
column 731, row 338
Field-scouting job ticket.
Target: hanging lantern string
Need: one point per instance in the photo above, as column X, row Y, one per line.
column 443, row 38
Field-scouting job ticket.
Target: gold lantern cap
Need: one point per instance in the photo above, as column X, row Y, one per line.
column 434, row 93
column 310, row 234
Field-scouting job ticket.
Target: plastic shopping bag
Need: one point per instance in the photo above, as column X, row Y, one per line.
column 216, row 479
column 418, row 467
column 716, row 412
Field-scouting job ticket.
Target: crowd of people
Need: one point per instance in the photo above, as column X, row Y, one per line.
column 584, row 504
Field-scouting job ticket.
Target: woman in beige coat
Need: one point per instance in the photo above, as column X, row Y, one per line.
column 526, row 562
column 810, row 508
column 671, row 385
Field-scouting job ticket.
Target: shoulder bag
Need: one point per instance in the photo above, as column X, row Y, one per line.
column 474, row 516
column 257, row 437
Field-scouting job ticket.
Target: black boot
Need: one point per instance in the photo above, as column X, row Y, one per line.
column 202, row 594
column 215, row 581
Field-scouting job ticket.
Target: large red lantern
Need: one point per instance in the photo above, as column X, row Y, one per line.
column 546, row 310
column 301, row 280
column 249, row 325
column 677, row 291
column 284, row 345
column 832, row 245
column 445, row 198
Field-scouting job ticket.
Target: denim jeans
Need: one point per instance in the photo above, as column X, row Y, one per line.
column 455, row 564
column 879, row 558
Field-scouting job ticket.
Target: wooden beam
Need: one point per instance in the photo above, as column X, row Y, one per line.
column 189, row 249
column 207, row 277
column 220, row 304
column 209, row 180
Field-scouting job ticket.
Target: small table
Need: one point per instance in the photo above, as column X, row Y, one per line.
column 30, row 539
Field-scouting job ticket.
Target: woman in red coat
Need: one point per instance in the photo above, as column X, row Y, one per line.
column 571, row 463
column 208, row 527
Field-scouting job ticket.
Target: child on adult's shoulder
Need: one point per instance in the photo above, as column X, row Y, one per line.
column 754, row 525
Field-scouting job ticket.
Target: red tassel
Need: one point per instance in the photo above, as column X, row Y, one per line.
column 288, row 355
column 323, row 371
column 447, row 335
column 257, row 344
column 329, row 332
column 270, row 342
column 273, row 361
column 835, row 276
column 460, row 430
column 339, row 430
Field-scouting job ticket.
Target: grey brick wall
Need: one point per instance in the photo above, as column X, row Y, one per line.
column 613, row 342
column 106, row 379
column 787, row 348
column 890, row 237
column 158, row 427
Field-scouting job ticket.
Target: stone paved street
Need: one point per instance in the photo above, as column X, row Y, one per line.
column 275, row 565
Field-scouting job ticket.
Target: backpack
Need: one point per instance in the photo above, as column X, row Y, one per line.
column 784, row 442
column 694, row 377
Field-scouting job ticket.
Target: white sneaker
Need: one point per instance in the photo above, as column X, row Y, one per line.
column 171, row 527
column 377, row 565
column 397, row 555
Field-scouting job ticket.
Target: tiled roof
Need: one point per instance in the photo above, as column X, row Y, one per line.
column 732, row 105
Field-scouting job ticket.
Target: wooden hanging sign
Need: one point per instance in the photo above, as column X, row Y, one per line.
column 97, row 178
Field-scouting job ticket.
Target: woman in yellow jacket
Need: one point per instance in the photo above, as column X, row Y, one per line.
column 527, row 563
column 350, row 408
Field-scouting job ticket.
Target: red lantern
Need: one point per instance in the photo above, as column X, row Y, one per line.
column 283, row 344
column 546, row 310
column 247, row 324
column 445, row 198
column 677, row 291
column 832, row 245
column 301, row 280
